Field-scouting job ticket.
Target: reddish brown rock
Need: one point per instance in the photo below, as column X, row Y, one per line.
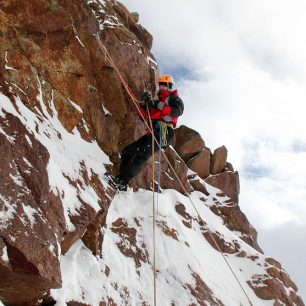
column 135, row 16
column 131, row 20
column 199, row 185
column 229, row 167
column 200, row 163
column 74, row 303
column 215, row 239
column 109, row 302
column 128, row 245
column 276, row 271
column 181, row 210
column 219, row 243
column 228, row 182
column 202, row 292
column 92, row 237
column 30, row 210
column 170, row 232
column 218, row 160
column 188, row 143
column 235, row 220
column 169, row 179
column 268, row 288
column 276, row 285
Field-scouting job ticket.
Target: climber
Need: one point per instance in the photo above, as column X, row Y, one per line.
column 164, row 113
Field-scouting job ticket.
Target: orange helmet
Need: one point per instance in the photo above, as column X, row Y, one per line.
column 165, row 78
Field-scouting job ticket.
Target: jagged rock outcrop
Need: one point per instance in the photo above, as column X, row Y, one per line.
column 188, row 142
column 218, row 160
column 35, row 215
column 228, row 182
column 64, row 118
column 201, row 163
column 272, row 284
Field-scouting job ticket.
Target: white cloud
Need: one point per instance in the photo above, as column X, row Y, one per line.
column 285, row 244
column 242, row 73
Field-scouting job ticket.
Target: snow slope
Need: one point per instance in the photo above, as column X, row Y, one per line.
column 189, row 270
column 90, row 279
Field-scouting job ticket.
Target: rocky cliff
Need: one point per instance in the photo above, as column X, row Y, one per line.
column 66, row 238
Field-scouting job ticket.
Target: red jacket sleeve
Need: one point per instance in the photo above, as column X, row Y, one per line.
column 166, row 111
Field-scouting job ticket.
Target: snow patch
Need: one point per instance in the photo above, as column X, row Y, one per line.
column 8, row 211
column 52, row 250
column 19, row 88
column 5, row 57
column 105, row 110
column 85, row 125
column 85, row 278
column 112, row 22
column 6, row 61
column 101, row 11
column 152, row 62
column 28, row 140
column 27, row 162
column 5, row 254
column 12, row 238
column 191, row 173
column 17, row 179
column 9, row 138
column 30, row 212
column 77, row 107
column 77, row 37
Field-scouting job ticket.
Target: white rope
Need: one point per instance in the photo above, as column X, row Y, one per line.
column 153, row 210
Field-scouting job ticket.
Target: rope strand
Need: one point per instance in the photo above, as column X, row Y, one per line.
column 159, row 165
column 153, row 209
column 135, row 101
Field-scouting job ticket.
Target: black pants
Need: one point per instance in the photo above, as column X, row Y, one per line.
column 137, row 153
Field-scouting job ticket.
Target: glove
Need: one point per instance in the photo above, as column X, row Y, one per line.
column 146, row 99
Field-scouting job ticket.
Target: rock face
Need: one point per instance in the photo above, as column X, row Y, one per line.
column 276, row 275
column 214, row 168
column 28, row 203
column 201, row 163
column 218, row 160
column 228, row 182
column 188, row 143
column 65, row 116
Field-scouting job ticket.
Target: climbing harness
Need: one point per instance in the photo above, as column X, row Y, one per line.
column 163, row 129
column 150, row 128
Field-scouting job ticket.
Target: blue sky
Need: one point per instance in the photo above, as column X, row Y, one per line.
column 240, row 68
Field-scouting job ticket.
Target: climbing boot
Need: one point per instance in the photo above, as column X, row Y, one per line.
column 116, row 182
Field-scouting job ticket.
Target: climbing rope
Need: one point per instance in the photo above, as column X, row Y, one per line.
column 159, row 165
column 153, row 208
column 150, row 128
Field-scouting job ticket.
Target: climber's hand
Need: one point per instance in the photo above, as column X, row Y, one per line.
column 146, row 99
